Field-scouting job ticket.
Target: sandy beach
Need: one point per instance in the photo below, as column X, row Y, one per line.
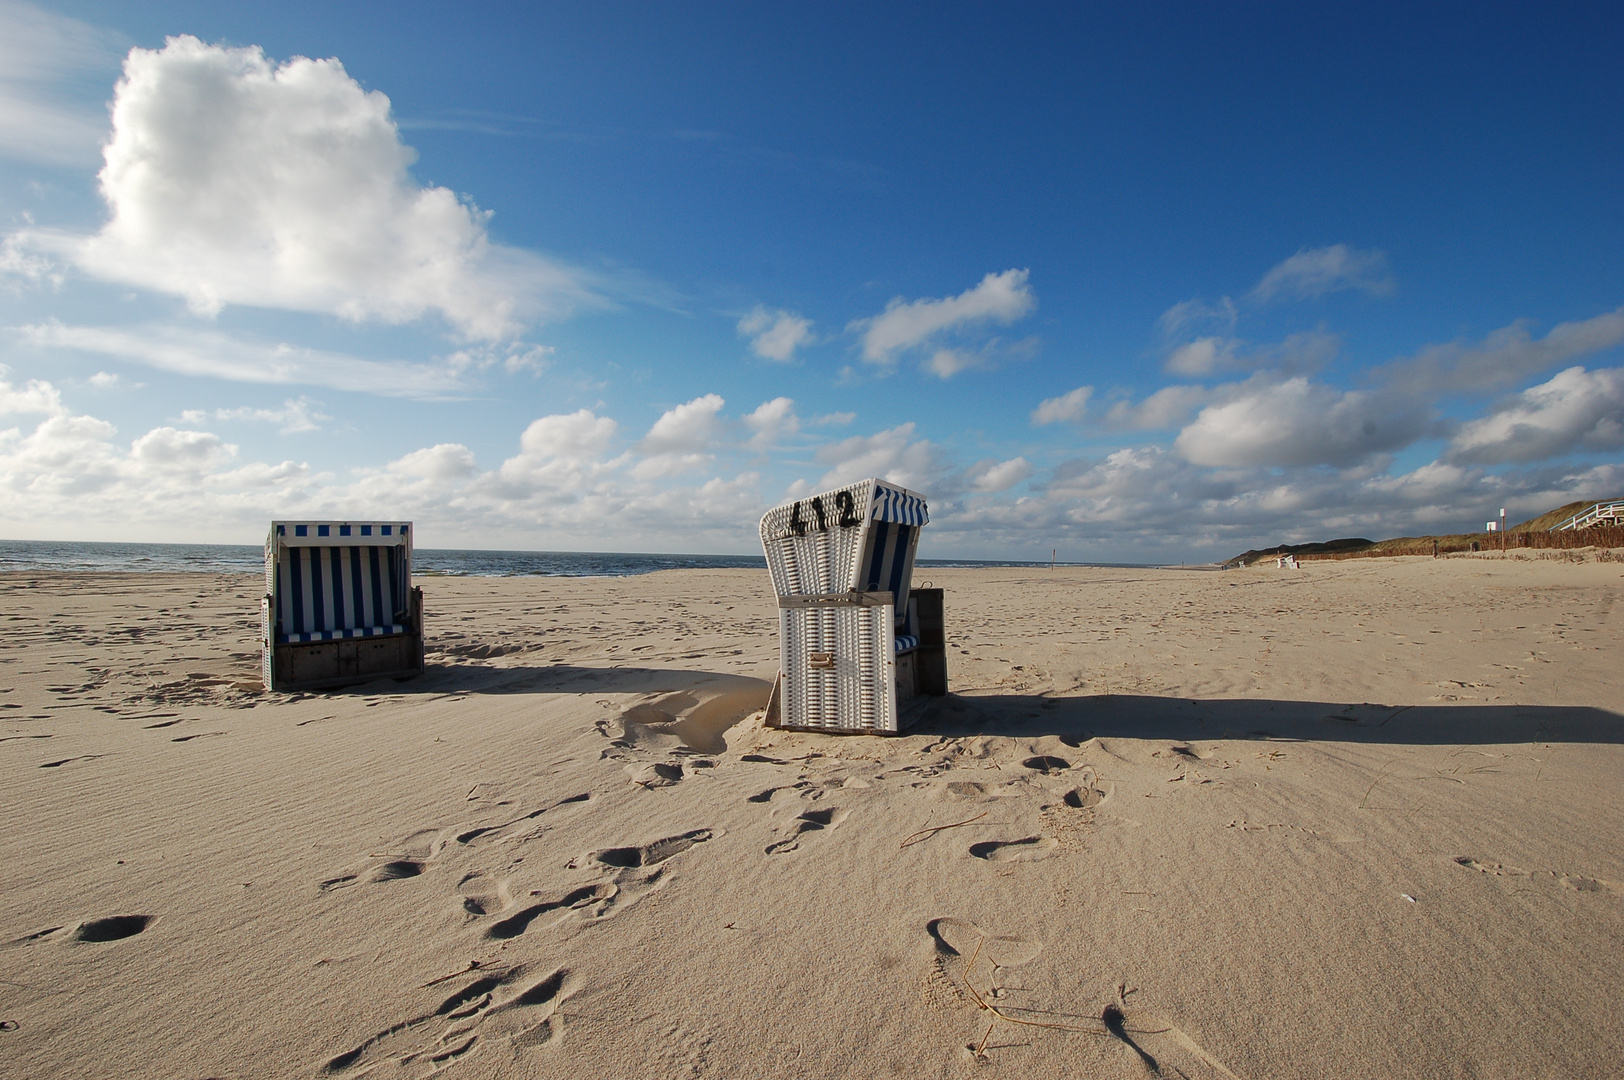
column 1356, row 820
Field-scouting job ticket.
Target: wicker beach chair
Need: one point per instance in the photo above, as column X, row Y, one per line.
column 339, row 605
column 856, row 641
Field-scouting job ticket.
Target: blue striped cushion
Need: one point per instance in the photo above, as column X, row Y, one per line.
column 906, row 642
column 323, row 593
column 889, row 559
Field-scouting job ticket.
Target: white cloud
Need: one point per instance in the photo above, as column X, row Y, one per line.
column 103, row 380
column 1297, row 422
column 258, row 475
column 36, row 396
column 233, row 180
column 1203, row 356
column 42, row 56
column 513, row 356
column 1505, row 356
column 1575, row 410
column 173, row 450
column 442, row 462
column 998, row 475
column 1001, row 298
column 1168, row 407
column 775, row 335
column 295, row 416
column 682, row 439
column 1314, row 272
column 1071, row 406
column 212, row 354
column 894, row 455
column 559, row 454
column 18, row 262
column 1185, row 314
column 568, row 487
column 64, row 458
column 772, row 422
column 834, row 419
column 946, row 363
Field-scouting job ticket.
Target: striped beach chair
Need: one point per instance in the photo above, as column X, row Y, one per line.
column 856, row 640
column 339, row 606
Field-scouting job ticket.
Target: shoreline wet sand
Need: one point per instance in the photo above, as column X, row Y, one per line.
column 1354, row 820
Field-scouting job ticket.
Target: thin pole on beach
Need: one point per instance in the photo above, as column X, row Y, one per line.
column 1502, row 528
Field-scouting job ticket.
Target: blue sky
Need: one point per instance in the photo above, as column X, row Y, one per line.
column 1137, row 282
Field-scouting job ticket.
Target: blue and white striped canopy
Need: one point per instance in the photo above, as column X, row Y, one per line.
column 898, row 505
column 349, row 533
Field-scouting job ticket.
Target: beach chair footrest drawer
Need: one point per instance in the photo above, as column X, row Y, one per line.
column 313, row 664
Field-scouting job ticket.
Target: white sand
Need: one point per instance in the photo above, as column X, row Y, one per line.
column 1361, row 819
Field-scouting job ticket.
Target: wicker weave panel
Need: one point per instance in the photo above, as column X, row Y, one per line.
column 838, row 665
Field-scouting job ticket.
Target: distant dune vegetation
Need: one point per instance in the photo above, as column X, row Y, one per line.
column 1533, row 533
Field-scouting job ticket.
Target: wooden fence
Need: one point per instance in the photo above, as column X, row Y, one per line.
column 1601, row 537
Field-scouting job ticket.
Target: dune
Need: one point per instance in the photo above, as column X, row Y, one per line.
column 1355, row 820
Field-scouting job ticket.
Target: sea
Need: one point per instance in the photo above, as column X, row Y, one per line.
column 426, row 562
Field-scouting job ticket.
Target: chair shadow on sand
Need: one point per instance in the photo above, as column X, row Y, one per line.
column 1073, row 720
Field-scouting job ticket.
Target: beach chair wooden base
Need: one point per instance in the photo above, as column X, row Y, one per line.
column 325, row 665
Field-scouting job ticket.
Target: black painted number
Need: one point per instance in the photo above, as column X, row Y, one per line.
column 845, row 514
column 848, row 509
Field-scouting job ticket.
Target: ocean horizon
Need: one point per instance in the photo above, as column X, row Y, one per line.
column 109, row 557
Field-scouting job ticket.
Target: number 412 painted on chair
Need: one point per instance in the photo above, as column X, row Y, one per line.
column 845, row 506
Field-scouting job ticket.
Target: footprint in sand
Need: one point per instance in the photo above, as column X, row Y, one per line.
column 1046, row 763
column 416, row 851
column 70, row 761
column 1576, row 882
column 396, row 869
column 505, row 830
column 501, row 1007
column 964, row 955
column 1087, row 795
column 809, row 821
column 479, row 894
column 654, row 774
column 651, row 854
column 576, row 899
column 1026, row 849
column 975, row 789
column 113, row 928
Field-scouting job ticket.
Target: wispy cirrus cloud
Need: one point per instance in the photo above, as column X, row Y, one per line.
column 1501, row 358
column 213, row 354
column 296, row 416
column 910, row 324
column 1315, row 272
column 45, row 116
